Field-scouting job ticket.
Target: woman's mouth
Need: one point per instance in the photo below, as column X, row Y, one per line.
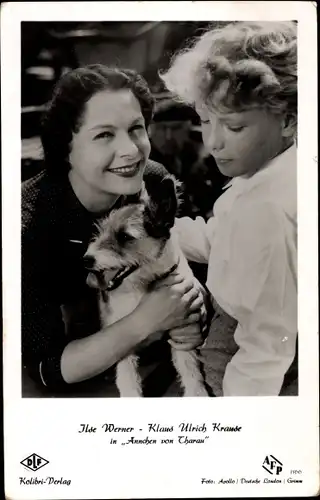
column 127, row 170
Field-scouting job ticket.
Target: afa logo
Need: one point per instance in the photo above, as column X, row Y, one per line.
column 272, row 465
column 34, row 462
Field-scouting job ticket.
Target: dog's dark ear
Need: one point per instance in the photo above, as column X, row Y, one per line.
column 161, row 208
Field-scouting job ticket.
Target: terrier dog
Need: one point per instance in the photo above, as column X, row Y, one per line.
column 133, row 248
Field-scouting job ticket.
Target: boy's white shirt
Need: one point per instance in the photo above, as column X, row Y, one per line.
column 250, row 245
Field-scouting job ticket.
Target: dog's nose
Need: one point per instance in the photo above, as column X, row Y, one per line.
column 88, row 261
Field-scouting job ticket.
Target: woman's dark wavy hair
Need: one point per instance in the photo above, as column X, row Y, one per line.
column 65, row 111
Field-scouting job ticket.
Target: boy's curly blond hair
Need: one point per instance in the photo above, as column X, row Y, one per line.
column 240, row 66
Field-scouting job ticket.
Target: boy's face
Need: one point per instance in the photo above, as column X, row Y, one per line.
column 241, row 143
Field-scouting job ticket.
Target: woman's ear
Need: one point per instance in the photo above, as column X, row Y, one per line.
column 289, row 126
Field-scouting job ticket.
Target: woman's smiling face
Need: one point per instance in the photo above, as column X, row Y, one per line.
column 110, row 150
column 241, row 143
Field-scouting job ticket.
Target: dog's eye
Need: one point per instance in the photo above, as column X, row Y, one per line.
column 124, row 237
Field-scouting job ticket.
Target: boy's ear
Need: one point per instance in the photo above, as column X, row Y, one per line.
column 161, row 208
column 289, row 126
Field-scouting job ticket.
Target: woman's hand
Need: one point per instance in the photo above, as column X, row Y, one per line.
column 172, row 302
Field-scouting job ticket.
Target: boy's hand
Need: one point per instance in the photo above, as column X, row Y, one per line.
column 186, row 338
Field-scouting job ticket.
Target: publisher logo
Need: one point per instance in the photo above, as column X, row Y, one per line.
column 34, row 462
column 272, row 465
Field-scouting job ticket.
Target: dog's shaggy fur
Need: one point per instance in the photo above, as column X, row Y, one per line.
column 138, row 237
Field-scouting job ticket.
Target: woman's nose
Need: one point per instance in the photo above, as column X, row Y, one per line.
column 127, row 147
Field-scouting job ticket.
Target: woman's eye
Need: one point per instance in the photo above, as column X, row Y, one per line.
column 205, row 122
column 104, row 135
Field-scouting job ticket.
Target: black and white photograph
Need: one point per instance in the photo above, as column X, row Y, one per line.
column 160, row 237
column 159, row 209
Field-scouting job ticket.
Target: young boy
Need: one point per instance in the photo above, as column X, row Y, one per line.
column 242, row 81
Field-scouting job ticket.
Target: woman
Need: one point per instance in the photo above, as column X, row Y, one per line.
column 96, row 152
column 242, row 81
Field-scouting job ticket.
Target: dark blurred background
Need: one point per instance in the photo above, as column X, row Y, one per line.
column 51, row 48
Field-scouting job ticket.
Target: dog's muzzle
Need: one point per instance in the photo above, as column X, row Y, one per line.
column 97, row 278
column 109, row 280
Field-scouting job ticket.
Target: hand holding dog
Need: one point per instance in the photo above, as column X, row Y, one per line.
column 172, row 302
